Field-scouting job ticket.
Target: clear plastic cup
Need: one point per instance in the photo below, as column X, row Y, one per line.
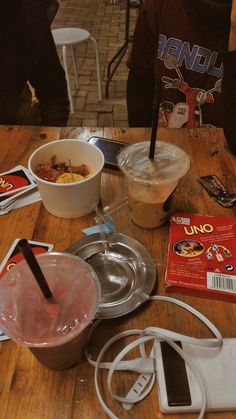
column 152, row 182
column 55, row 330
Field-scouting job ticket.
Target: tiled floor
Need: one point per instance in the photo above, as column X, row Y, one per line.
column 106, row 23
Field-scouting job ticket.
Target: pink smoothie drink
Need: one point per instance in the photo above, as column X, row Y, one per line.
column 55, row 329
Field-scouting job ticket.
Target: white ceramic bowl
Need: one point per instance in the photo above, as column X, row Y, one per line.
column 69, row 200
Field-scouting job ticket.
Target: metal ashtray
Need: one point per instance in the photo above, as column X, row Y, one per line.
column 125, row 268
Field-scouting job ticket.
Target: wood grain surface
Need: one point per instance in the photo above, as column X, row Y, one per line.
column 30, row 391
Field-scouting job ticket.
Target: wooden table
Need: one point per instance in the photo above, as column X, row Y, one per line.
column 30, row 391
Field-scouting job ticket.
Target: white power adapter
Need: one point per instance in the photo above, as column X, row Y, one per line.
column 203, row 378
column 178, row 389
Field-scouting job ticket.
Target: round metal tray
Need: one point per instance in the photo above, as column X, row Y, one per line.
column 125, row 268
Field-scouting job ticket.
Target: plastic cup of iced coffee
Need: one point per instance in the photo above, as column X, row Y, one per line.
column 151, row 183
column 55, row 329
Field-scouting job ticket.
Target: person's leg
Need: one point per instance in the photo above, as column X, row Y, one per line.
column 139, row 100
column 48, row 80
column 10, row 99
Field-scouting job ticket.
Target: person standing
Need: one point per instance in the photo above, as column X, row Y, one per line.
column 28, row 54
column 229, row 84
column 180, row 45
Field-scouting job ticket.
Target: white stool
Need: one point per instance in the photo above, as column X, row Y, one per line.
column 64, row 37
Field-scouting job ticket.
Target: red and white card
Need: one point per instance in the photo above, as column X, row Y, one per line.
column 14, row 256
column 14, row 180
column 17, row 188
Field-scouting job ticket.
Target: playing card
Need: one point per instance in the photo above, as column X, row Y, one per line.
column 6, row 200
column 17, row 188
column 25, row 200
column 3, row 336
column 14, row 256
column 15, row 180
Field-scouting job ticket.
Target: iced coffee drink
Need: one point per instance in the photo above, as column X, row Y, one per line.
column 152, row 182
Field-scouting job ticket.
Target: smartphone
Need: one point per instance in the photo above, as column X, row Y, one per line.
column 178, row 389
column 110, row 149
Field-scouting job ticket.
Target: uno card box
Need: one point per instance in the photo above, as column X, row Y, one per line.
column 202, row 256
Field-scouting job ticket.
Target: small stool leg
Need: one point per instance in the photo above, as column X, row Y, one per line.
column 98, row 68
column 74, row 61
column 64, row 57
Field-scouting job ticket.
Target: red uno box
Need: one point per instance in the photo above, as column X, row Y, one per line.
column 202, row 256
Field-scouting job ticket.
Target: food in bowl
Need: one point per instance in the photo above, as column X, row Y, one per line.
column 62, row 172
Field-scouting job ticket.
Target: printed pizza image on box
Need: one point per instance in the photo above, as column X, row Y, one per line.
column 202, row 256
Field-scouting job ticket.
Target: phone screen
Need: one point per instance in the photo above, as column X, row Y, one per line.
column 177, row 387
column 110, row 150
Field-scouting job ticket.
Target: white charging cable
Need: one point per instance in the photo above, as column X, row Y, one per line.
column 146, row 365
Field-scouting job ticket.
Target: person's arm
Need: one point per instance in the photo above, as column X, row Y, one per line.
column 141, row 57
column 229, row 85
column 232, row 34
column 52, row 8
column 141, row 78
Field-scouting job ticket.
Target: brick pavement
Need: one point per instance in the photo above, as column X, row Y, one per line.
column 106, row 23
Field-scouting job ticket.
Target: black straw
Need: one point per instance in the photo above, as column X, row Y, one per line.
column 155, row 117
column 30, row 258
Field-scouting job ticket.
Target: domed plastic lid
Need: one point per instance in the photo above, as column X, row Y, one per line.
column 27, row 317
column 170, row 162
